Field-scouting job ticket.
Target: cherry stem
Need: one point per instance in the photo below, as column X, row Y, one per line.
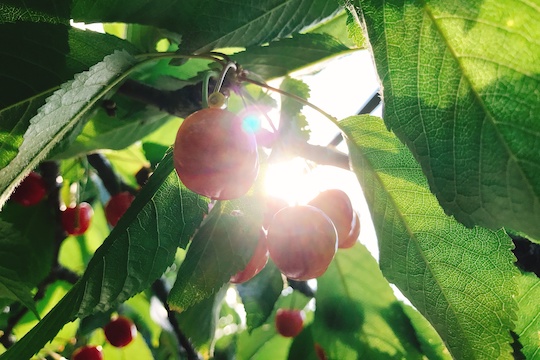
column 230, row 65
column 292, row 96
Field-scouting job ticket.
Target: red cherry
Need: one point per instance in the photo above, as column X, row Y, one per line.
column 30, row 191
column 76, row 220
column 120, row 331
column 353, row 235
column 289, row 323
column 337, row 205
column 301, row 242
column 88, row 353
column 117, row 206
column 214, row 156
column 256, row 264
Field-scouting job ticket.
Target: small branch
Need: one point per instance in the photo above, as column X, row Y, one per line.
column 105, row 171
column 179, row 103
column 159, row 289
column 302, row 286
column 320, row 154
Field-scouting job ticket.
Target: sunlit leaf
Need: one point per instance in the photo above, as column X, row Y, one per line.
column 528, row 317
column 446, row 270
column 357, row 315
column 44, row 11
column 288, row 54
column 223, row 246
column 65, row 109
column 468, row 110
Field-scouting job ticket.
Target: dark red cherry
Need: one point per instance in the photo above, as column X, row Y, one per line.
column 120, row 331
column 30, row 191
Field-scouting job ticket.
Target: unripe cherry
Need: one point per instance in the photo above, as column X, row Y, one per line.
column 214, row 155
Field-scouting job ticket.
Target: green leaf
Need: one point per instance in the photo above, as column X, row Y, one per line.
column 86, row 48
column 33, row 59
column 12, row 287
column 221, row 247
column 285, row 55
column 528, row 316
column 238, row 23
column 199, row 322
column 138, row 250
column 49, row 11
column 130, row 124
column 340, row 28
column 292, row 121
column 467, row 109
column 303, row 346
column 260, row 294
column 462, row 280
column 430, row 342
column 357, row 314
column 65, row 109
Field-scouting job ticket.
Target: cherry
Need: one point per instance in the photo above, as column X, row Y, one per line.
column 289, row 322
column 120, row 331
column 88, row 353
column 301, row 241
column 31, row 190
column 336, row 204
column 353, row 235
column 76, row 219
column 214, row 156
column 256, row 264
column 117, row 206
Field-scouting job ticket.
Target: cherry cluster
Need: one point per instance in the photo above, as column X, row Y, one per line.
column 75, row 218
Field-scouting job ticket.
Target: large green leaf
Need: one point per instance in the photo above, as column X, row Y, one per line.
column 460, row 86
column 223, row 246
column 462, row 280
column 358, row 316
column 138, row 250
column 63, row 111
column 238, row 23
column 285, row 55
column 528, row 320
